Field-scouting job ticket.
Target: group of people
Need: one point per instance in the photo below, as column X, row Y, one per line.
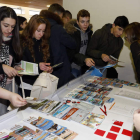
column 53, row 37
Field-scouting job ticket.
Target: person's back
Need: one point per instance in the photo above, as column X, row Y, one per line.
column 59, row 40
column 107, row 41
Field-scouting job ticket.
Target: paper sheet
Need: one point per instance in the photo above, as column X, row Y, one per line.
column 129, row 94
column 123, row 109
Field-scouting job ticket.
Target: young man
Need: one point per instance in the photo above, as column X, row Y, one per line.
column 57, row 9
column 80, row 30
column 107, row 41
column 59, row 41
column 67, row 16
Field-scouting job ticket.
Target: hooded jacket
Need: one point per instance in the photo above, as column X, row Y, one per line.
column 103, row 42
column 59, row 41
column 73, row 29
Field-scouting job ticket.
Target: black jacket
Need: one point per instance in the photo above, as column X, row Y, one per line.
column 135, row 50
column 103, row 42
column 59, row 41
column 28, row 57
column 74, row 54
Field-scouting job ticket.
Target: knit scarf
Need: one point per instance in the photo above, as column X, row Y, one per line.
column 4, row 57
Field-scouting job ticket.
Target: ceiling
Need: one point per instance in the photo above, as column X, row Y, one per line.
column 38, row 4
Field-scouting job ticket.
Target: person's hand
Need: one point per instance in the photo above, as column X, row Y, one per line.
column 89, row 62
column 136, row 119
column 9, row 70
column 16, row 100
column 112, row 62
column 105, row 58
column 18, row 68
column 45, row 67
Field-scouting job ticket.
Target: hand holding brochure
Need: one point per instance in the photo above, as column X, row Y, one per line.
column 29, row 68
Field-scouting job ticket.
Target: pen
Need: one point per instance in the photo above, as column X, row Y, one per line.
column 112, row 106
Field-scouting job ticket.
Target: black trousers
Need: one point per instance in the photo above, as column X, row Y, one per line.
column 111, row 73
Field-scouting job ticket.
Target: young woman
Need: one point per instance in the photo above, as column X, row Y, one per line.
column 10, row 50
column 132, row 35
column 35, row 44
column 22, row 22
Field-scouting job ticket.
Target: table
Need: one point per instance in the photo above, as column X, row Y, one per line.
column 84, row 132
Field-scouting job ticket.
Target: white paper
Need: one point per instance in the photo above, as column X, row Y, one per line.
column 123, row 109
column 129, row 94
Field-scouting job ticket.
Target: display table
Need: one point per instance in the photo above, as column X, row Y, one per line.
column 121, row 111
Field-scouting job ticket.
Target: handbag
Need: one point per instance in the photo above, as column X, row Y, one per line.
column 45, row 85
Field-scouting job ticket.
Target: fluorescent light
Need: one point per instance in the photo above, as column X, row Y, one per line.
column 47, row 5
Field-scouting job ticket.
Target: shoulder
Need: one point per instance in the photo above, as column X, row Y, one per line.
column 135, row 46
column 69, row 27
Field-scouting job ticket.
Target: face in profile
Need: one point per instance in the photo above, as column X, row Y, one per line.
column 7, row 26
column 38, row 34
column 83, row 23
column 117, row 31
column 23, row 25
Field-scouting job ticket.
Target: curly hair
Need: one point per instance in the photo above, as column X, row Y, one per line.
column 27, row 36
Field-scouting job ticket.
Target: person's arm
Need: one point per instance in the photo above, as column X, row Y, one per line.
column 136, row 58
column 136, row 119
column 14, row 98
column 92, row 49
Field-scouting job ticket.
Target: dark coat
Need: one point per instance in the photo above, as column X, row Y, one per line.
column 59, row 41
column 103, row 42
column 74, row 55
column 27, row 56
column 135, row 50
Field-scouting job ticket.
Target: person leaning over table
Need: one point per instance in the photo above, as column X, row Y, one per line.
column 15, row 99
column 107, row 41
column 35, row 43
column 132, row 35
column 59, row 42
column 10, row 51
column 80, row 30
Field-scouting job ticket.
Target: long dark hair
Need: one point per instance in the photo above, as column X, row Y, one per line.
column 133, row 32
column 20, row 21
column 27, row 36
column 7, row 12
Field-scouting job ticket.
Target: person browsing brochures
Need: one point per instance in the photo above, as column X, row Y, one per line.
column 35, row 44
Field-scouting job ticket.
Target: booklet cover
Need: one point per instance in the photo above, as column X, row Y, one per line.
column 93, row 120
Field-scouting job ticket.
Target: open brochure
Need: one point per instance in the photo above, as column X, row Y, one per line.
column 29, row 68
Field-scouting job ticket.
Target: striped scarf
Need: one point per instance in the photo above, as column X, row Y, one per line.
column 4, row 57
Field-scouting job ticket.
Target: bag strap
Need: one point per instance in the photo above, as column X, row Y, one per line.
column 23, row 93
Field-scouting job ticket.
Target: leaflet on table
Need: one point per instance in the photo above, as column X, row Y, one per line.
column 47, row 106
column 91, row 93
column 123, row 109
column 52, row 128
column 4, row 134
column 93, row 120
column 129, row 94
column 113, row 82
column 29, row 68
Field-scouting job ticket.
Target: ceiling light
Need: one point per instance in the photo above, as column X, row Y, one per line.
column 47, row 5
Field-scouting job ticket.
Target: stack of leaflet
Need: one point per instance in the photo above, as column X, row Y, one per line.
column 37, row 129
column 77, row 111
column 91, row 92
column 112, row 82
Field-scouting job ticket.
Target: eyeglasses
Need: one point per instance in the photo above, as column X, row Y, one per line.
column 126, row 38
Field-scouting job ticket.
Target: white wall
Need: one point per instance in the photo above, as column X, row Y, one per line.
column 105, row 11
